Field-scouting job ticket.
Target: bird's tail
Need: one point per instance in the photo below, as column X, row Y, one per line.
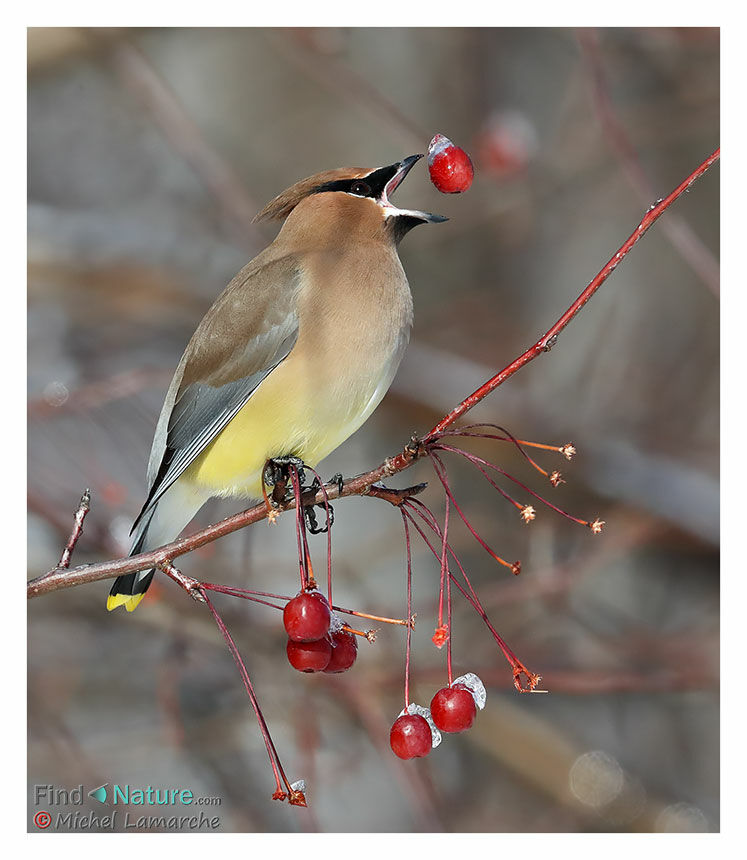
column 161, row 524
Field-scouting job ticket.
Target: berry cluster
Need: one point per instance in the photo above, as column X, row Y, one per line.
column 453, row 709
column 317, row 639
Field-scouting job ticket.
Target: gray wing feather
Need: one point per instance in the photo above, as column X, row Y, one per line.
column 193, row 415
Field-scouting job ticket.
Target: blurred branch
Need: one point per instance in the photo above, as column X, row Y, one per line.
column 680, row 234
column 94, row 394
column 543, row 756
column 361, row 485
column 346, row 84
column 139, row 76
column 415, row 788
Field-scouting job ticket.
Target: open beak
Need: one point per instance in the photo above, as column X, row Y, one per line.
column 402, row 169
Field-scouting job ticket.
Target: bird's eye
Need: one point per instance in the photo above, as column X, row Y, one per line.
column 363, row 189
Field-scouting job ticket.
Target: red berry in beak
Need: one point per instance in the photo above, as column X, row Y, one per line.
column 411, row 736
column 306, row 617
column 309, row 656
column 453, row 709
column 449, row 166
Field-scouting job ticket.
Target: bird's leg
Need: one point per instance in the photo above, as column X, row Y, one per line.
column 276, row 475
column 280, row 466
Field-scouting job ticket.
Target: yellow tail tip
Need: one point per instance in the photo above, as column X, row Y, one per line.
column 129, row 601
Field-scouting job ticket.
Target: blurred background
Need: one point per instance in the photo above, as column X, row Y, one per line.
column 149, row 153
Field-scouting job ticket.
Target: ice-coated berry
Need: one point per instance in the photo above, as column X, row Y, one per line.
column 306, row 617
column 453, row 709
column 309, row 656
column 344, row 652
column 449, row 166
column 411, row 736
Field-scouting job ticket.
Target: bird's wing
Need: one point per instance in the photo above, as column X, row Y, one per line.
column 250, row 329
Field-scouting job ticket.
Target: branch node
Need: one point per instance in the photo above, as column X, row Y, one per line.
column 549, row 343
column 415, row 448
column 192, row 586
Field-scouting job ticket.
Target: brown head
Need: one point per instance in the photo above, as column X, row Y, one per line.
column 353, row 199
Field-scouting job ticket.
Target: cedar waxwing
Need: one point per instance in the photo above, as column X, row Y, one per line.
column 292, row 358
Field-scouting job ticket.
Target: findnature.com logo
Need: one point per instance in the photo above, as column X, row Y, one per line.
column 123, row 795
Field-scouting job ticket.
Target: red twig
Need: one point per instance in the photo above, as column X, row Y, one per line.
column 548, row 339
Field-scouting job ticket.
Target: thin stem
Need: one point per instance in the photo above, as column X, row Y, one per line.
column 440, row 470
column 518, row 443
column 448, row 614
column 329, row 533
column 238, row 592
column 518, row 668
column 277, row 767
column 444, row 566
column 303, row 559
column 408, row 647
column 256, row 596
column 478, row 461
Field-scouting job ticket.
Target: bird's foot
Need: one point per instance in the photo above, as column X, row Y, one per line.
column 276, row 474
column 309, row 512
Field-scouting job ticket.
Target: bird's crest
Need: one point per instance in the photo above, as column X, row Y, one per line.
column 281, row 206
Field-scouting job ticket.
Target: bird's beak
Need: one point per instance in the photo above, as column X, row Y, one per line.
column 401, row 170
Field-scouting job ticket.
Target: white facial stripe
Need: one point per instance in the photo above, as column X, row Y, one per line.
column 392, row 212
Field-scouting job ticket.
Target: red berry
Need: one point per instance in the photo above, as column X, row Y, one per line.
column 344, row 652
column 410, row 736
column 309, row 656
column 453, row 709
column 449, row 166
column 306, row 617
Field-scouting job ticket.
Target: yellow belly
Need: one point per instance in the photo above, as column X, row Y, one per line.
column 291, row 412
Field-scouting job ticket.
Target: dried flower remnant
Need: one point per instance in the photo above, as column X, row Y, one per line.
column 568, row 450
column 440, row 636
